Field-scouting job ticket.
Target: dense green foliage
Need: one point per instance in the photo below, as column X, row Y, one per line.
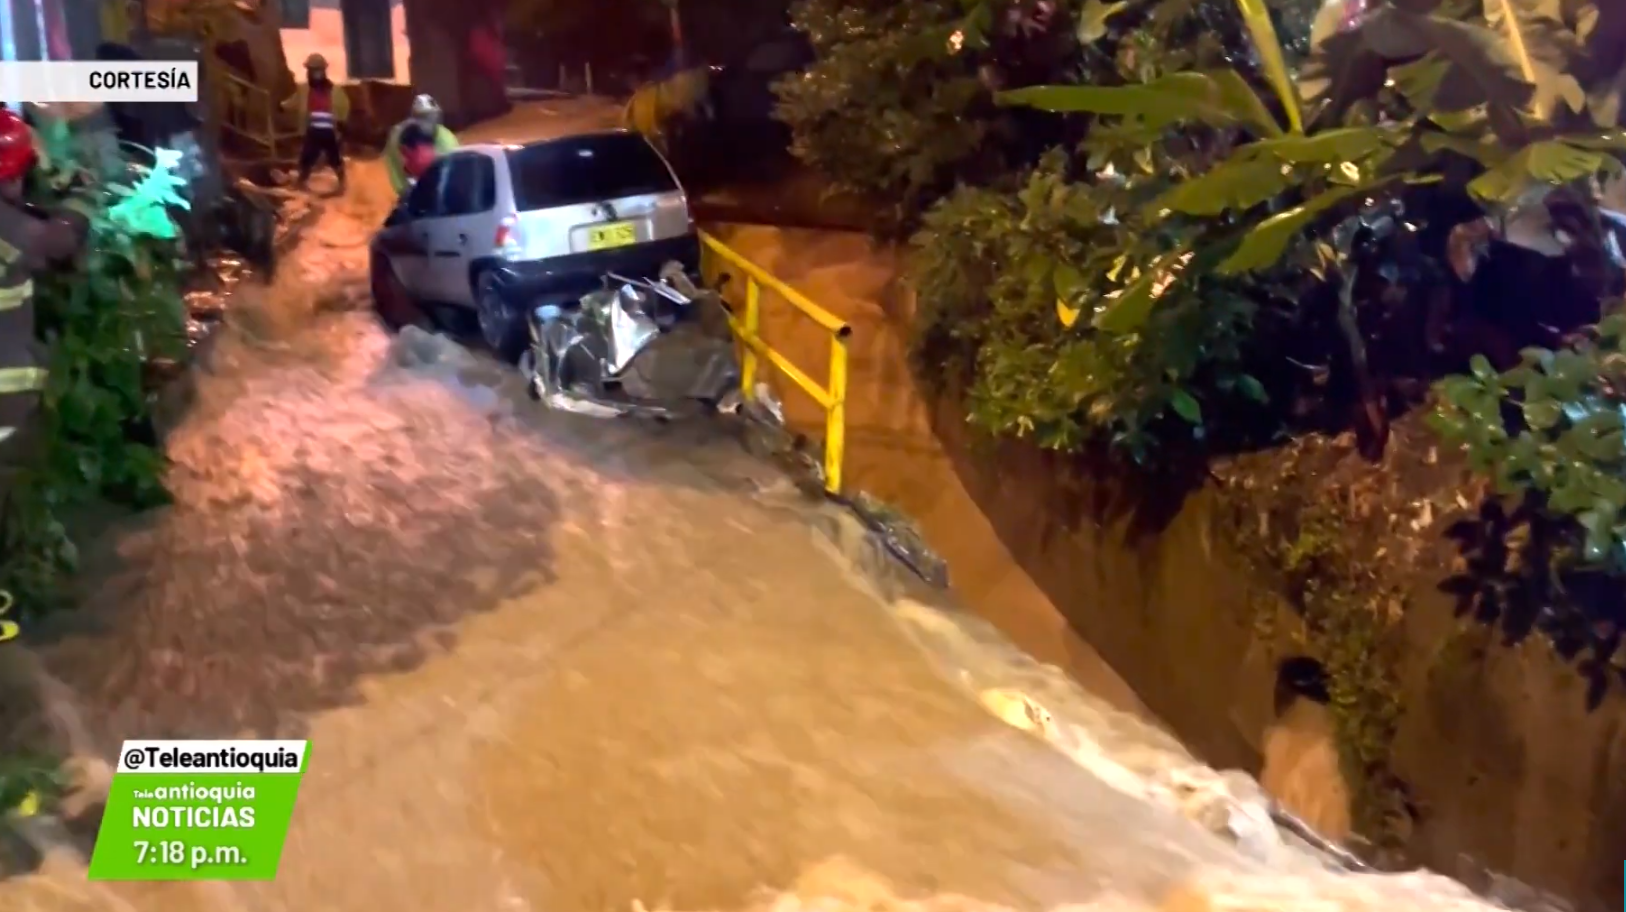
column 1567, row 443
column 103, row 320
column 1221, row 199
column 889, row 110
column 986, row 269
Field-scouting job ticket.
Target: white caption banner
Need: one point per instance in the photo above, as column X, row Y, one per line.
column 63, row 81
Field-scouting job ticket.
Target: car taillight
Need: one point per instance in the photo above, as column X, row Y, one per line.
column 508, row 241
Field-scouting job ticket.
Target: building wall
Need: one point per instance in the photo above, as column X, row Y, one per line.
column 326, row 37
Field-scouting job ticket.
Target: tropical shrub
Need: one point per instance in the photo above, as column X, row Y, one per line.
column 1553, row 427
column 886, row 111
column 897, row 107
column 104, row 321
column 1247, row 179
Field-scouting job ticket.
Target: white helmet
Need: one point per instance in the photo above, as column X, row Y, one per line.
column 424, row 107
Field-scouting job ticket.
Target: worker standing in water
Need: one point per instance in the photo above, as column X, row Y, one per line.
column 323, row 108
column 415, row 142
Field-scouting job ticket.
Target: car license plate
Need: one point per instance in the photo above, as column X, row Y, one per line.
column 615, row 234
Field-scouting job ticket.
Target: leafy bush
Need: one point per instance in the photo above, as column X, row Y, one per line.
column 1218, row 187
column 104, row 321
column 886, row 111
column 986, row 266
column 1554, row 426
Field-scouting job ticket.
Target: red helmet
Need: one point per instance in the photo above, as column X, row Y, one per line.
column 17, row 153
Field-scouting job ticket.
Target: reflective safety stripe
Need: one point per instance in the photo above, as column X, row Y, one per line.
column 321, row 119
column 6, row 432
column 17, row 295
column 22, row 379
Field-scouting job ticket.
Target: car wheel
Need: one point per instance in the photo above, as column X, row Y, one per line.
column 395, row 305
column 502, row 325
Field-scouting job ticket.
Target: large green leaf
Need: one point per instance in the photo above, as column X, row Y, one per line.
column 1550, row 161
column 1264, row 245
column 1093, row 19
column 1256, row 15
column 1264, row 169
column 1240, row 183
column 1344, row 144
column 1487, row 152
column 1419, row 81
column 1220, row 98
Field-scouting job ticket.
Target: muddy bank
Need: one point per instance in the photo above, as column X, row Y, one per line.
column 1501, row 764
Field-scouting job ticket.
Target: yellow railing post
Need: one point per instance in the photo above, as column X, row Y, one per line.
column 835, row 426
column 751, row 322
column 832, row 398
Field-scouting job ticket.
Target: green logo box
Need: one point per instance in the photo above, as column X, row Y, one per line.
column 199, row 810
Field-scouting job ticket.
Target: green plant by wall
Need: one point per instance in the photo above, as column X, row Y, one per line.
column 886, row 109
column 1553, row 427
column 985, row 267
column 103, row 320
column 1348, row 617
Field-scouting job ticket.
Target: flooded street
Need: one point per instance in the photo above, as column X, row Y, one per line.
column 556, row 663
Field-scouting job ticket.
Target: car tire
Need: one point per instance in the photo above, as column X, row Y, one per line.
column 396, row 306
column 502, row 325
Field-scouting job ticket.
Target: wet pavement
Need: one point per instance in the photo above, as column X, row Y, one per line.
column 556, row 663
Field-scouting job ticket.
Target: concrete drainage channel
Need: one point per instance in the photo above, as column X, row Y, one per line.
column 882, row 547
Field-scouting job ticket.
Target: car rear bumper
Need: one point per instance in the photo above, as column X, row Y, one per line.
column 580, row 273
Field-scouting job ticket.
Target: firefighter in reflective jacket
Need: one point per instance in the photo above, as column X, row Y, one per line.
column 323, row 109
column 415, row 142
column 30, row 241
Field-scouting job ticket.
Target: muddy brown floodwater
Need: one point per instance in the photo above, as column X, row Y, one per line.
column 554, row 663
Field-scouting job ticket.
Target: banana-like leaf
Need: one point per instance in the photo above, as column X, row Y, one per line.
column 1093, row 19
column 1263, row 169
column 1220, row 98
column 1609, row 140
column 1264, row 245
column 1544, row 50
column 1550, row 161
column 1241, row 182
column 1128, row 311
column 1256, row 15
column 1419, row 81
column 1344, row 144
column 1488, row 153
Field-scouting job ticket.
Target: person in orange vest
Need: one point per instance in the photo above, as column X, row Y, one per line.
column 323, row 109
column 30, row 241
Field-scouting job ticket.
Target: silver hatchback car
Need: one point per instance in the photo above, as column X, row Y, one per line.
column 503, row 229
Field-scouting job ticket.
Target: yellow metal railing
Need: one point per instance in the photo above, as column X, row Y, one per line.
column 746, row 324
column 250, row 111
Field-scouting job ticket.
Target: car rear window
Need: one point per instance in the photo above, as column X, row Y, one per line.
column 586, row 169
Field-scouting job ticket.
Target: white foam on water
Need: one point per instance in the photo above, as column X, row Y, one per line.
column 1266, row 873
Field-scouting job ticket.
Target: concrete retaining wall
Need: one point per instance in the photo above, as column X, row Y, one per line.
column 1505, row 765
